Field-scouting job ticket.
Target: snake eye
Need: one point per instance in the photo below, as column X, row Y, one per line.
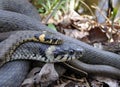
column 80, row 52
column 71, row 52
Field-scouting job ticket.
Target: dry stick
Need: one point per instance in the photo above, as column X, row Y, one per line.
column 102, row 7
column 54, row 10
column 88, row 8
column 112, row 20
column 96, row 7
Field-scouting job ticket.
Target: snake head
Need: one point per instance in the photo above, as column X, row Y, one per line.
column 64, row 52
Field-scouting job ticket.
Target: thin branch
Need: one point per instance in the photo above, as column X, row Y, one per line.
column 54, row 10
column 96, row 7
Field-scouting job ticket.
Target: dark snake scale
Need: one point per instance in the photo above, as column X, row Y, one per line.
column 20, row 16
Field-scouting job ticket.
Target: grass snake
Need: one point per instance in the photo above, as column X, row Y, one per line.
column 12, row 21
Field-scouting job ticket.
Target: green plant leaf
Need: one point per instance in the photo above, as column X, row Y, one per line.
column 51, row 26
column 115, row 10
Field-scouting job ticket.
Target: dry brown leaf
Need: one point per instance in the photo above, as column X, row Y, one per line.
column 96, row 35
column 75, row 33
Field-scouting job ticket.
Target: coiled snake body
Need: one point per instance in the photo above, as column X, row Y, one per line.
column 33, row 47
column 11, row 21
